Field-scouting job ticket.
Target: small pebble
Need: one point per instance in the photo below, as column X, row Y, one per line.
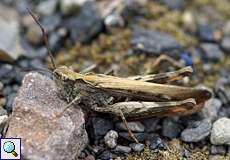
column 151, row 124
column 139, row 136
column 174, row 4
column 206, row 33
column 134, row 126
column 99, row 127
column 218, row 149
column 137, row 147
column 1, row 86
column 2, row 102
column 71, row 6
column 47, row 7
column 122, row 149
column 198, row 133
column 212, row 51
column 34, row 34
column 152, row 42
column 111, row 139
column 220, row 133
column 185, row 153
column 114, row 20
column 225, row 44
column 10, row 99
column 211, row 109
column 7, row 90
column 105, row 155
column 170, row 128
column 89, row 157
column 156, row 142
column 3, row 120
column 3, row 112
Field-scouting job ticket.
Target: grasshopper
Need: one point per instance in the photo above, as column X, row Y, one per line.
column 130, row 98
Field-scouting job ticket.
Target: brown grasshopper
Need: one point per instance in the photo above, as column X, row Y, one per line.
column 133, row 97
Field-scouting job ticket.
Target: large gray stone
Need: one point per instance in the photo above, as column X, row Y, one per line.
column 10, row 48
column 44, row 136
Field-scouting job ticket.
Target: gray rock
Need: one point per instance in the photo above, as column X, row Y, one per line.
column 82, row 30
column 44, row 136
column 212, row 51
column 71, row 6
column 3, row 111
column 5, row 73
column 206, row 33
column 225, row 44
column 90, row 157
column 3, row 120
column 34, row 34
column 171, row 128
column 198, row 133
column 105, row 155
column 9, row 102
column 114, row 20
column 55, row 41
column 99, row 127
column 47, row 8
column 139, row 136
column 7, row 90
column 111, row 139
column 220, row 133
column 174, row 4
column 137, row 147
column 2, row 102
column 10, row 48
column 122, row 149
column 152, row 42
column 151, row 124
column 133, row 126
column 1, row 86
column 211, row 109
column 51, row 22
column 218, row 149
column 224, row 112
column 156, row 142
column 221, row 90
column 226, row 28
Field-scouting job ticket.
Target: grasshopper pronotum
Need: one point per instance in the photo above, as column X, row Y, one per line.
column 133, row 97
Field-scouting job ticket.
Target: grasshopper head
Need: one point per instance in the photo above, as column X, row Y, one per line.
column 65, row 79
column 64, row 82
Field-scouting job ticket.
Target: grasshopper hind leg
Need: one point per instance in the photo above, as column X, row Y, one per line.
column 127, row 127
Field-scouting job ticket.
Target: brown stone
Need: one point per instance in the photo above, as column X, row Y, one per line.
column 33, row 121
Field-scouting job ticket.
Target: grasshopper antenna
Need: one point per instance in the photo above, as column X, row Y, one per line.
column 45, row 38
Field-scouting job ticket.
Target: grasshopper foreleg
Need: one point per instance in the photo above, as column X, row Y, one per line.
column 74, row 101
